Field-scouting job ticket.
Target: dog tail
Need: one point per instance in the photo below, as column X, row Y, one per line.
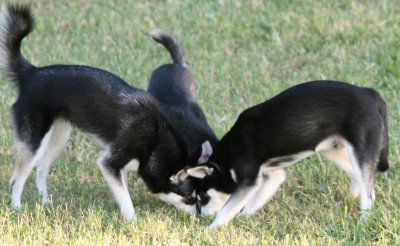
column 170, row 43
column 383, row 164
column 16, row 22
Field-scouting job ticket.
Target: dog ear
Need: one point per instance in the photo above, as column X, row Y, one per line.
column 179, row 177
column 199, row 172
column 206, row 152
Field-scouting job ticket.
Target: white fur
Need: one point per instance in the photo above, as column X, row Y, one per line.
column 341, row 158
column 268, row 188
column 117, row 187
column 329, row 143
column 23, row 170
column 365, row 199
column 206, row 152
column 132, row 166
column 334, row 148
column 217, row 201
column 177, row 201
column 199, row 172
column 235, row 203
column 233, row 175
column 60, row 132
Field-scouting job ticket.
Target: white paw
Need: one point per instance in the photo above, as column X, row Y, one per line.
column 16, row 205
column 213, row 226
column 129, row 215
column 216, row 224
column 46, row 200
column 364, row 215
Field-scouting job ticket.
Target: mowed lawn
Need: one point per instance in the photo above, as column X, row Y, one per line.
column 241, row 53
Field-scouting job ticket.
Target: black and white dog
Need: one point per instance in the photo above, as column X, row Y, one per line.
column 345, row 123
column 125, row 121
column 173, row 86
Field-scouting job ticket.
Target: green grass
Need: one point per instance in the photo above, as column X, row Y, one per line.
column 242, row 53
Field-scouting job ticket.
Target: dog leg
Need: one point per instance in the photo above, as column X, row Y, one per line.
column 24, row 168
column 239, row 198
column 115, row 182
column 60, row 132
column 21, row 172
column 341, row 158
column 365, row 199
column 133, row 165
column 271, row 182
column 124, row 178
column 368, row 172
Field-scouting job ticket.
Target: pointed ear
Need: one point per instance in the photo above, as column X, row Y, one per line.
column 199, row 172
column 206, row 152
column 179, row 177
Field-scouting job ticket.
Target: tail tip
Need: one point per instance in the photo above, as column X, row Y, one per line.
column 156, row 34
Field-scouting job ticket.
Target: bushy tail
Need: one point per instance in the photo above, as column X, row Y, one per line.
column 16, row 22
column 383, row 163
column 170, row 43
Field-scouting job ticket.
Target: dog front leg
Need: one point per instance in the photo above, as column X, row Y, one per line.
column 242, row 194
column 115, row 180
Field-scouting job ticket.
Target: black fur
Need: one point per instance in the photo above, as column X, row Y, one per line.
column 126, row 120
column 173, row 86
column 20, row 24
column 297, row 120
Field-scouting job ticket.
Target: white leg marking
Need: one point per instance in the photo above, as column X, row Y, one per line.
column 365, row 200
column 368, row 172
column 235, row 203
column 60, row 132
column 177, row 201
column 22, row 170
column 270, row 186
column 217, row 201
column 132, row 166
column 119, row 191
column 341, row 158
column 20, row 175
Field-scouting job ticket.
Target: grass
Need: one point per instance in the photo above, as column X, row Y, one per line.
column 242, row 53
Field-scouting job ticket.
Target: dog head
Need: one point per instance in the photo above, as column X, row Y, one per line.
column 209, row 188
column 180, row 190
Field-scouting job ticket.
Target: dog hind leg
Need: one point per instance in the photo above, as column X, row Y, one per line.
column 25, row 163
column 365, row 197
column 341, row 158
column 60, row 132
column 22, row 168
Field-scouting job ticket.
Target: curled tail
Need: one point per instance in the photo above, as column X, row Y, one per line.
column 383, row 164
column 16, row 22
column 170, row 43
